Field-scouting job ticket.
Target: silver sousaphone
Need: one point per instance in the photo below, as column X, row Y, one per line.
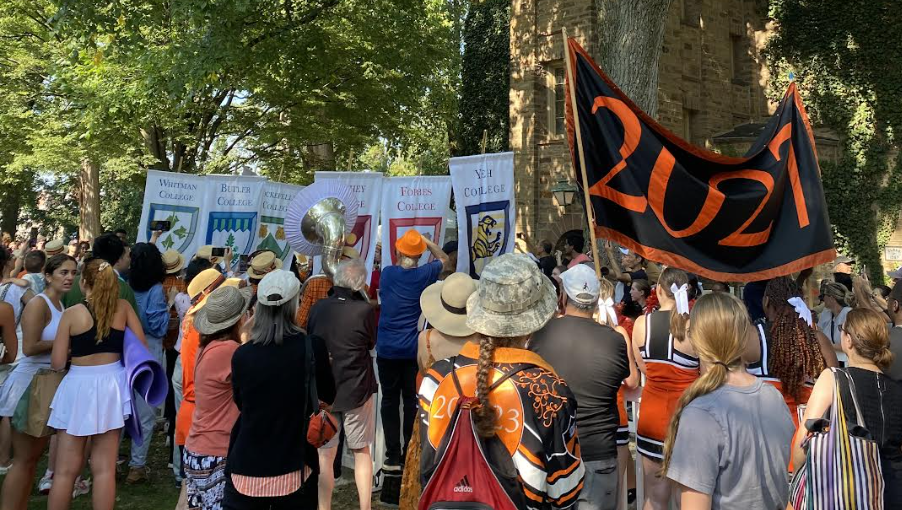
column 317, row 221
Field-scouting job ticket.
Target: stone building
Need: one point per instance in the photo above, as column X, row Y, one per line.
column 712, row 79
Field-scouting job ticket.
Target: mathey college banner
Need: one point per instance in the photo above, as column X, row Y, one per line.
column 727, row 218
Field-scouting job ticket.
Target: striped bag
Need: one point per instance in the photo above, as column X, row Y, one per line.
column 842, row 470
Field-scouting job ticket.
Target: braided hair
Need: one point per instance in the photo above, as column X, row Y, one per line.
column 485, row 413
column 794, row 354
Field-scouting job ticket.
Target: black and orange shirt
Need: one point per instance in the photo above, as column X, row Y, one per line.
column 535, row 454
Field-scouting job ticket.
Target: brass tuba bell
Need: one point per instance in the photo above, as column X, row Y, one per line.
column 318, row 219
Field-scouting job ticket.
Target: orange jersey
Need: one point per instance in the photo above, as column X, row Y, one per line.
column 668, row 373
column 535, row 424
column 190, row 345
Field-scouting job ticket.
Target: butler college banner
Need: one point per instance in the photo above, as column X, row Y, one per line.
column 727, row 218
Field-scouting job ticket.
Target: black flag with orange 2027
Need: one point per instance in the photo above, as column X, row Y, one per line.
column 726, row 218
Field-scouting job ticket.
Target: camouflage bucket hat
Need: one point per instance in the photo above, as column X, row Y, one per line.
column 513, row 298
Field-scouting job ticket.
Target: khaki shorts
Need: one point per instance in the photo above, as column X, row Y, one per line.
column 359, row 425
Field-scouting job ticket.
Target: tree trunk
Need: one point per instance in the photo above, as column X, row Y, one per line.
column 9, row 212
column 630, row 38
column 89, row 200
column 320, row 156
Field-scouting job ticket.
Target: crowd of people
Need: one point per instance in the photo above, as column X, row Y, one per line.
column 522, row 379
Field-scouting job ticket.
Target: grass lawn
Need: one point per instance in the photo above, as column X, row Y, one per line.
column 160, row 492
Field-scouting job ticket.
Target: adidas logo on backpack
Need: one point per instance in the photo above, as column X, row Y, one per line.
column 463, row 486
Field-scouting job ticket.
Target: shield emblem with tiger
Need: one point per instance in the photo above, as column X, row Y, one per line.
column 488, row 227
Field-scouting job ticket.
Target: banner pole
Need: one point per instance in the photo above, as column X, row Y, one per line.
column 590, row 214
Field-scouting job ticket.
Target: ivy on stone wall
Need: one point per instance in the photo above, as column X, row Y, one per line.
column 847, row 58
column 485, row 86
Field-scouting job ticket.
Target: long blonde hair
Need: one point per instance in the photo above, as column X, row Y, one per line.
column 719, row 325
column 100, row 277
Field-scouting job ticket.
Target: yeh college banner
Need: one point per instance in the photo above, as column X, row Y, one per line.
column 368, row 188
column 727, row 218
column 273, row 205
column 178, row 198
column 232, row 212
column 486, row 216
column 419, row 203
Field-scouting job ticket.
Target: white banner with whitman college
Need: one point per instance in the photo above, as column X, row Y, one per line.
column 368, row 187
column 486, row 214
column 178, row 198
column 419, row 203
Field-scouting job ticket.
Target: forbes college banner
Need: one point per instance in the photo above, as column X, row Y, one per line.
column 179, row 199
column 273, row 205
column 486, row 219
column 368, row 187
column 232, row 212
column 727, row 218
column 420, row 203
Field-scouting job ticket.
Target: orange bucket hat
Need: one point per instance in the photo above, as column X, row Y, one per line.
column 411, row 244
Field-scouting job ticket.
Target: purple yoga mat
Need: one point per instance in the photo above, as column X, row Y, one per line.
column 146, row 377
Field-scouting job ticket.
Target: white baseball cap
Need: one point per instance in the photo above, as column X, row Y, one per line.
column 581, row 284
column 277, row 288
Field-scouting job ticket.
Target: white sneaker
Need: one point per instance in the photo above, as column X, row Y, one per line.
column 81, row 488
column 45, row 484
column 5, row 469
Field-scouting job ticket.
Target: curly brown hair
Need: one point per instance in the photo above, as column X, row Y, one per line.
column 794, row 354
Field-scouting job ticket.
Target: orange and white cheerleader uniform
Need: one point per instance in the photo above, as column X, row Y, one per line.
column 668, row 373
column 762, row 371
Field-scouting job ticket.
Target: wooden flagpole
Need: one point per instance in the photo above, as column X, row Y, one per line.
column 590, row 214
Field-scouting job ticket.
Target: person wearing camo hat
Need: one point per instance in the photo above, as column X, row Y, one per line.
column 522, row 401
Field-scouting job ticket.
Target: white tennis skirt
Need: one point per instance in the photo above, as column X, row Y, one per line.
column 16, row 384
column 91, row 400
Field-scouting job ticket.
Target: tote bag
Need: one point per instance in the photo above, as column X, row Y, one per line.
column 842, row 469
column 43, row 388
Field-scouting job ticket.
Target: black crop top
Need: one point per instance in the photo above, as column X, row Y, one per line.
column 85, row 344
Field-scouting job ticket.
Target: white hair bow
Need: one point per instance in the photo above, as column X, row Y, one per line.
column 681, row 295
column 606, row 312
column 802, row 309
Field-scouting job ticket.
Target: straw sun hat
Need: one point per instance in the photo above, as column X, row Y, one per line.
column 54, row 247
column 513, row 298
column 224, row 308
column 262, row 264
column 205, row 283
column 173, row 261
column 444, row 304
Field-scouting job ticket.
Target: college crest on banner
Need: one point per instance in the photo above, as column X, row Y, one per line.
column 486, row 220
column 177, row 198
column 273, row 206
column 746, row 218
column 232, row 211
column 368, row 188
column 419, row 203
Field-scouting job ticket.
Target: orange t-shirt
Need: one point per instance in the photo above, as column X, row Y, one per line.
column 190, row 344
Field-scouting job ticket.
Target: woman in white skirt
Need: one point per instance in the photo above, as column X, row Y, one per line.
column 40, row 321
column 93, row 399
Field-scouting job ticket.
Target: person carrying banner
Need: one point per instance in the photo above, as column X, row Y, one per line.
column 396, row 347
column 668, row 361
